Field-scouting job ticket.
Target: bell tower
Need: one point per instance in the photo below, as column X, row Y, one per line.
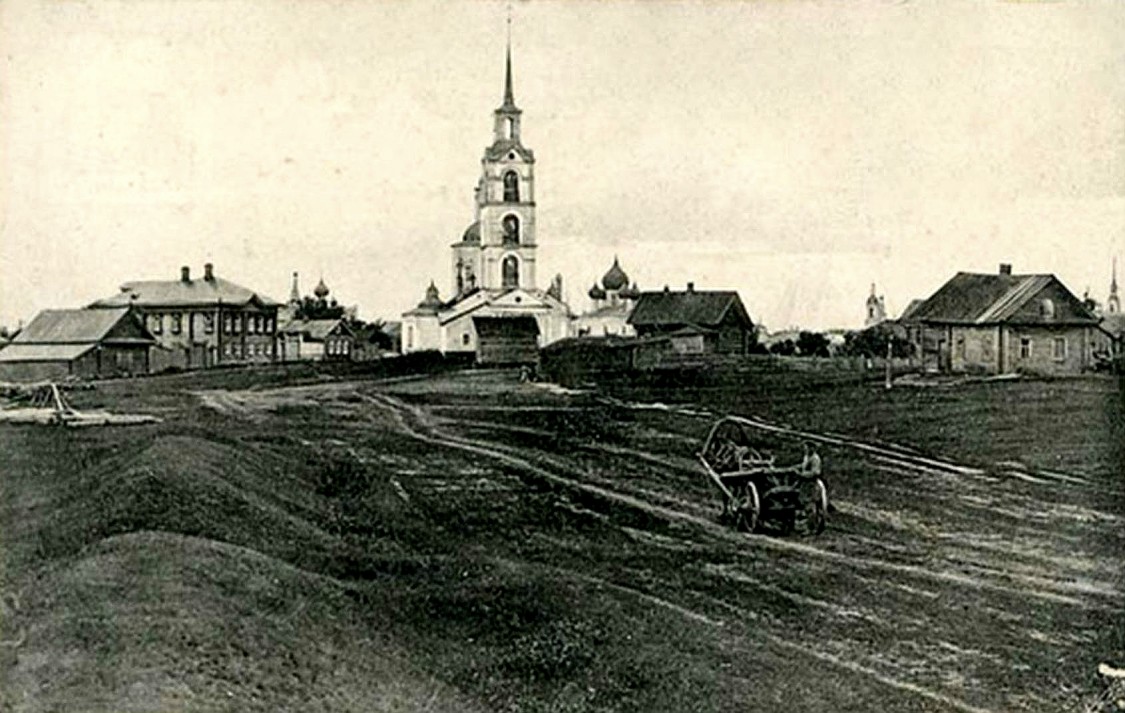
column 505, row 199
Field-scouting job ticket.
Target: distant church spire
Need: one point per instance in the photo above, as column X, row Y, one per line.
column 1113, row 304
column 294, row 293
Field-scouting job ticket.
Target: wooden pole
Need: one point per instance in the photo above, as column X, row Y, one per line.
column 890, row 342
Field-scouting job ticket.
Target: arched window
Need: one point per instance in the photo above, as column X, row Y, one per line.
column 511, row 226
column 510, row 126
column 511, row 187
column 510, row 272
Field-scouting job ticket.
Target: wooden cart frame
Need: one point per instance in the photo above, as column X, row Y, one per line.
column 755, row 488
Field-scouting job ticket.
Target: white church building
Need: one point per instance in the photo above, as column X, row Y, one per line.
column 497, row 309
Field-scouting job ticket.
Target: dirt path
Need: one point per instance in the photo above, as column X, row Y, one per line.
column 959, row 585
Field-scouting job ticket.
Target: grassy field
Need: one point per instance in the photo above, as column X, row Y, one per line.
column 465, row 542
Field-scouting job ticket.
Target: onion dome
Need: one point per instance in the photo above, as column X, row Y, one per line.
column 616, row 278
column 321, row 290
column 472, row 233
column 630, row 293
column 596, row 292
column 433, row 299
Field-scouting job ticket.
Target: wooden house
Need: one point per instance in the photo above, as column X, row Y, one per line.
column 78, row 343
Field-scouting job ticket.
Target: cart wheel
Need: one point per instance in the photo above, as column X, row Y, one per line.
column 747, row 507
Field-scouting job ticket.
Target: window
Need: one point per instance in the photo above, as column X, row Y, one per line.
column 466, row 339
column 257, row 324
column 177, row 323
column 1060, row 348
column 208, row 323
column 511, row 187
column 510, row 272
column 511, row 226
column 235, row 323
column 511, row 127
column 961, row 348
column 410, row 337
column 1025, row 348
column 267, row 325
column 156, row 323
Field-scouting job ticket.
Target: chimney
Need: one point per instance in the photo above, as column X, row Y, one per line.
column 691, row 287
column 666, row 289
column 1005, row 268
column 185, row 274
column 209, row 272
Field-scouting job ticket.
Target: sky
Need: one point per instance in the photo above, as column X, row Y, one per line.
column 796, row 152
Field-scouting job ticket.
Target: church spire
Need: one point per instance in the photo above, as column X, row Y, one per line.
column 1113, row 304
column 509, row 97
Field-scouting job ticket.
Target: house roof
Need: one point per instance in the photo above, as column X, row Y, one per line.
column 701, row 308
column 72, row 326
column 14, row 352
column 972, row 298
column 911, row 308
column 1114, row 324
column 314, row 329
column 177, row 293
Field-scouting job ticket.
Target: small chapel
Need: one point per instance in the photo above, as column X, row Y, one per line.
column 496, row 308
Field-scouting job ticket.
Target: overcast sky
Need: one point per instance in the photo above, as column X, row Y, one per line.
column 796, row 152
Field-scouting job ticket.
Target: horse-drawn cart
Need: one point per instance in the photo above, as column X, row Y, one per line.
column 755, row 488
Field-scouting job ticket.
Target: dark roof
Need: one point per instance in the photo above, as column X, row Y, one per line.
column 972, row 298
column 499, row 326
column 177, row 293
column 78, row 326
column 699, row 308
column 911, row 308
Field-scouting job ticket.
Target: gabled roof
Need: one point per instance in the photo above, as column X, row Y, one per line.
column 43, row 352
column 181, row 293
column 972, row 298
column 699, row 308
column 80, row 326
column 316, row 330
column 911, row 309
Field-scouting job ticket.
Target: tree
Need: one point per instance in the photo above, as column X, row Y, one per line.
column 783, row 348
column 812, row 344
column 872, row 342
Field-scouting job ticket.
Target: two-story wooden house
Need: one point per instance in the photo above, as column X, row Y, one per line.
column 202, row 322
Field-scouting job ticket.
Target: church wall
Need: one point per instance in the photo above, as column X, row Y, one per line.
column 459, row 335
column 420, row 333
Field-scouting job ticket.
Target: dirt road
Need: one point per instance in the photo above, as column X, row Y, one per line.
column 947, row 585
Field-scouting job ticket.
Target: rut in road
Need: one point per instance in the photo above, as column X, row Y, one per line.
column 415, row 423
column 419, row 424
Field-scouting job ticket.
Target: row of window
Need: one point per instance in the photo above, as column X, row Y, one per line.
column 232, row 323
column 252, row 350
column 338, row 347
column 1027, row 347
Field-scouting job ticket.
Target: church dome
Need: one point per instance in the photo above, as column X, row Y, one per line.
column 432, row 299
column 596, row 293
column 472, row 233
column 630, row 293
column 616, row 278
column 321, row 290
